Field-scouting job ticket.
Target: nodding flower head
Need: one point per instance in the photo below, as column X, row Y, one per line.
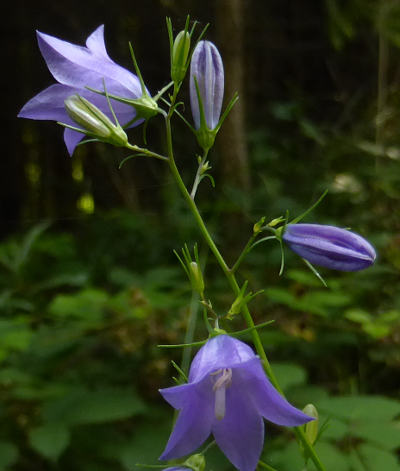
column 227, row 395
column 75, row 68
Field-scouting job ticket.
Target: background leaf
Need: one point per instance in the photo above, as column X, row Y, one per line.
column 50, row 440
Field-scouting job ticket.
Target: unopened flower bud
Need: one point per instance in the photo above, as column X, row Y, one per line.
column 180, row 52
column 204, row 168
column 276, row 221
column 236, row 307
column 311, row 428
column 257, row 228
column 206, row 91
column 329, row 246
column 94, row 122
column 196, row 277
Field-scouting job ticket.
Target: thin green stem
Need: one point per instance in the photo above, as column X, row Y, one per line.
column 210, row 445
column 197, row 178
column 263, row 465
column 230, row 276
column 147, row 152
column 187, row 351
column 214, row 249
column 245, row 251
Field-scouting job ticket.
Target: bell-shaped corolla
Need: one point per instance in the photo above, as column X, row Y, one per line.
column 228, row 395
column 75, row 68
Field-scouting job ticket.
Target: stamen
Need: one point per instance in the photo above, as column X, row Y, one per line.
column 223, row 382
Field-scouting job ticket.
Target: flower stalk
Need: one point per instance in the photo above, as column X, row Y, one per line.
column 230, row 276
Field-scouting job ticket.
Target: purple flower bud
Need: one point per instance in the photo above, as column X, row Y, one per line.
column 207, row 67
column 75, row 68
column 227, row 395
column 330, row 246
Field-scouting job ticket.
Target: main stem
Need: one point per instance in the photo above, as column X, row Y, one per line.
column 234, row 285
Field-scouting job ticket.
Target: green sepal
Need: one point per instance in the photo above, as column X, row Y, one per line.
column 196, row 462
column 206, row 136
column 241, row 300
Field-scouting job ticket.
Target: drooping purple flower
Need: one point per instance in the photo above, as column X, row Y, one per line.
column 75, row 68
column 330, row 246
column 227, row 395
column 207, row 67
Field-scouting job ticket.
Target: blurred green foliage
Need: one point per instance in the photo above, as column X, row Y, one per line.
column 80, row 367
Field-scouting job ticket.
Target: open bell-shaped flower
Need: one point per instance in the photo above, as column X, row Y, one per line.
column 227, row 395
column 329, row 246
column 75, row 68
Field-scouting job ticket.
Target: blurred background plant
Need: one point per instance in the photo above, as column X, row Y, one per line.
column 88, row 281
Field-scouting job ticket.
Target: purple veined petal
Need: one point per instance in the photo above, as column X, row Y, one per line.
column 252, row 381
column 193, row 425
column 78, row 66
column 178, row 396
column 95, row 42
column 72, row 139
column 124, row 113
column 221, row 351
column 240, row 434
column 48, row 104
column 330, row 246
column 207, row 67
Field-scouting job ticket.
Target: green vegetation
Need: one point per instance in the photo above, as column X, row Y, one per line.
column 86, row 297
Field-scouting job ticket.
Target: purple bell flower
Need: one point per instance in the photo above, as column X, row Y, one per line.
column 330, row 246
column 206, row 65
column 227, row 395
column 75, row 68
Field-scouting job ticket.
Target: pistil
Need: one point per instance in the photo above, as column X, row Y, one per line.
column 220, row 386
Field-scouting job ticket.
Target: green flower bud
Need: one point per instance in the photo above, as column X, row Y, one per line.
column 196, row 277
column 94, row 122
column 196, row 462
column 236, row 306
column 257, row 228
column 276, row 221
column 180, row 52
column 311, row 428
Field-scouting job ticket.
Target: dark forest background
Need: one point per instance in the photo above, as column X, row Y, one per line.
column 88, row 281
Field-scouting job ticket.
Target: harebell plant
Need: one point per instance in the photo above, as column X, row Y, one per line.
column 230, row 388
